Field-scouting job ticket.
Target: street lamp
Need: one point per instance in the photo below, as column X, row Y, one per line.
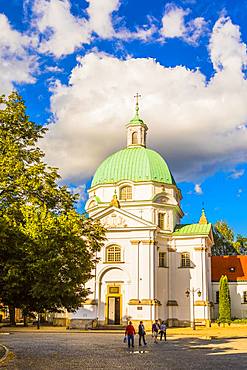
column 187, row 293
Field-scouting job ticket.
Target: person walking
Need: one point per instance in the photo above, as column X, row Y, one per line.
column 163, row 330
column 130, row 333
column 142, row 333
column 155, row 330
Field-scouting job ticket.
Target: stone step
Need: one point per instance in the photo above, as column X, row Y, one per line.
column 110, row 327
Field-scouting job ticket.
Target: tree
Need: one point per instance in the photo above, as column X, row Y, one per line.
column 224, row 301
column 242, row 244
column 46, row 248
column 224, row 241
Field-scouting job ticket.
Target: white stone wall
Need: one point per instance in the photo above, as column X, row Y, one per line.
column 139, row 275
column 196, row 278
column 238, row 307
column 134, row 274
column 142, row 204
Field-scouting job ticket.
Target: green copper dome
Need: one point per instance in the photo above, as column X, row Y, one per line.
column 135, row 164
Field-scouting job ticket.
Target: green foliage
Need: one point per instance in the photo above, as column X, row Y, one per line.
column 239, row 321
column 225, row 243
column 23, row 175
column 46, row 249
column 242, row 244
column 224, row 301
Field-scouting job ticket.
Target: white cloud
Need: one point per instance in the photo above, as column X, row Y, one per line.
column 240, row 191
column 80, row 191
column 198, row 189
column 61, row 32
column 226, row 49
column 194, row 124
column 174, row 25
column 53, row 69
column 17, row 65
column 195, row 29
column 144, row 33
column 100, row 16
column 236, row 174
column 101, row 22
column 173, row 22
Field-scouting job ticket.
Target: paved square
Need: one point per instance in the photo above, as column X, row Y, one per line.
column 53, row 351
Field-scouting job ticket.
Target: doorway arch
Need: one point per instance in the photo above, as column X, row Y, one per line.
column 113, row 285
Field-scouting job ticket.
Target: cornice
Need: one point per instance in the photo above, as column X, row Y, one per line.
column 144, row 242
column 144, row 302
column 170, row 186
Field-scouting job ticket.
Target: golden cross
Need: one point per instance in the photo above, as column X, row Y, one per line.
column 137, row 96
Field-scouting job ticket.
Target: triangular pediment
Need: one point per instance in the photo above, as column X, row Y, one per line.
column 114, row 218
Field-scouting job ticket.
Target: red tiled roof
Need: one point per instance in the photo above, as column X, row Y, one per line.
column 234, row 267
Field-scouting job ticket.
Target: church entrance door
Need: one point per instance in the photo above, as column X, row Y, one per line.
column 114, row 310
column 113, row 313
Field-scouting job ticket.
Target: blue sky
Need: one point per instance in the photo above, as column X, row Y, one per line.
column 79, row 63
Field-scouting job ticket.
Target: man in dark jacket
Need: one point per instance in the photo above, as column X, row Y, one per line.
column 142, row 333
column 130, row 332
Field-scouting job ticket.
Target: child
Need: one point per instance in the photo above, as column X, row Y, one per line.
column 155, row 330
column 163, row 330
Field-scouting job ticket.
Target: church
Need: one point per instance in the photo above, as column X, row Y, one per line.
column 151, row 266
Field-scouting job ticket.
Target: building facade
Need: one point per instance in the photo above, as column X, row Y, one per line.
column 149, row 259
column 235, row 268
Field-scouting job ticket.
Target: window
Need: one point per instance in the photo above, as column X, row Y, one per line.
column 162, row 259
column 245, row 297
column 185, row 259
column 217, row 297
column 134, row 138
column 161, row 220
column 92, row 204
column 113, row 254
column 126, row 193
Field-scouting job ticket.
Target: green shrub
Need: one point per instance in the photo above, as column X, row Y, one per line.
column 224, row 302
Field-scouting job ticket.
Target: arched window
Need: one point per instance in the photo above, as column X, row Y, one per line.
column 113, row 254
column 134, row 138
column 185, row 259
column 92, row 204
column 126, row 193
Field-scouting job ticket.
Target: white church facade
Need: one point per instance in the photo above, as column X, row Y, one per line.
column 149, row 260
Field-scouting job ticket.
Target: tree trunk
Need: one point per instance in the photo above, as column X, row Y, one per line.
column 25, row 319
column 12, row 315
column 25, row 315
column 38, row 321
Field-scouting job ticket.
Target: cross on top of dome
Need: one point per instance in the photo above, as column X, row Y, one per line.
column 137, row 96
column 136, row 120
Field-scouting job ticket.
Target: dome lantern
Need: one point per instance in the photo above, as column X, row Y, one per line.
column 136, row 163
column 136, row 128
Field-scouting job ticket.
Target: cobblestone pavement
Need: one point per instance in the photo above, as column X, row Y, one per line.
column 62, row 351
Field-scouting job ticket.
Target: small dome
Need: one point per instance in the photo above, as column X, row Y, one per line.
column 134, row 164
